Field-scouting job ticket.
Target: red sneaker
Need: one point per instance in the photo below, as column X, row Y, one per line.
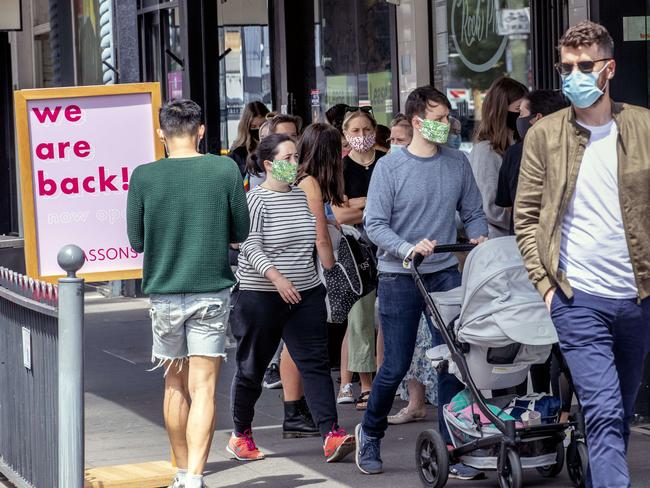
column 243, row 448
column 338, row 444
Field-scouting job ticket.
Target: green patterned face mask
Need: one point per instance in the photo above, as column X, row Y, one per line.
column 283, row 170
column 434, row 131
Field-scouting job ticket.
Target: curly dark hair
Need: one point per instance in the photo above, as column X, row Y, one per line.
column 588, row 33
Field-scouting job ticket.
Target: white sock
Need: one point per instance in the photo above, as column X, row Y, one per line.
column 193, row 481
column 181, row 474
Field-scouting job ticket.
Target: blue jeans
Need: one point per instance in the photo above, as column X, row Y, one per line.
column 400, row 308
column 604, row 342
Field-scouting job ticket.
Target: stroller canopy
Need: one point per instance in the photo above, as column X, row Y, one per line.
column 499, row 303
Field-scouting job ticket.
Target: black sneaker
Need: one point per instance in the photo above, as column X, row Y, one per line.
column 272, row 379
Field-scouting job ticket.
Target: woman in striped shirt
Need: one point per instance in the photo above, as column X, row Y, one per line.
column 280, row 296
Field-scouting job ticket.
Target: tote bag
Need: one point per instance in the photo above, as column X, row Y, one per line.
column 353, row 274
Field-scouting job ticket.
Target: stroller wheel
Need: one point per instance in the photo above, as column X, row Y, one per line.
column 511, row 474
column 432, row 459
column 577, row 462
column 552, row 470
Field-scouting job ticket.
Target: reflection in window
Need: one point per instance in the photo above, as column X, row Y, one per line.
column 160, row 47
column 94, row 19
column 245, row 74
column 44, row 76
column 353, row 55
column 477, row 42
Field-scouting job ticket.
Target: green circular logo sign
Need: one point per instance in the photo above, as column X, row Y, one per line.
column 475, row 33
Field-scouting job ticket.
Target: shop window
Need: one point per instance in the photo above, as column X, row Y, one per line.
column 94, row 38
column 477, row 42
column 160, row 46
column 44, row 76
column 353, row 55
column 245, row 71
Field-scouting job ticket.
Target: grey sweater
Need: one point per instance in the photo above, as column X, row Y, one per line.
column 412, row 198
column 486, row 164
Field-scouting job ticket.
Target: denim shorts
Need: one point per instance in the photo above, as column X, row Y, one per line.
column 189, row 324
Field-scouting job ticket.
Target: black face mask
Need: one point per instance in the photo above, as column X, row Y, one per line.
column 523, row 124
column 255, row 134
column 511, row 120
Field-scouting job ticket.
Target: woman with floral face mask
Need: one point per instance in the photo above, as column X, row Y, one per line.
column 358, row 349
column 280, row 297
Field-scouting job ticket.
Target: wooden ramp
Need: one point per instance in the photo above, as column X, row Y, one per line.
column 146, row 475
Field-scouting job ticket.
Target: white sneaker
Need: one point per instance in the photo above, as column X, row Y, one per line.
column 177, row 484
column 405, row 417
column 568, row 433
column 345, row 395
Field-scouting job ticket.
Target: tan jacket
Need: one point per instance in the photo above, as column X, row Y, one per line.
column 553, row 152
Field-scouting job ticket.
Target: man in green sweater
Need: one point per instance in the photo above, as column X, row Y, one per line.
column 182, row 213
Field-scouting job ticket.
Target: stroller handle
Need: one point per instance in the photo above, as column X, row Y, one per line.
column 443, row 248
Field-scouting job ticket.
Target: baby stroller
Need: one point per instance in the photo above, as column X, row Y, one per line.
column 495, row 326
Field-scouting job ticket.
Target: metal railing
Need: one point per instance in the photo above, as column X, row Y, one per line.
column 41, row 378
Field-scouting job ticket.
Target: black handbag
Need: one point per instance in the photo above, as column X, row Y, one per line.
column 353, row 276
column 366, row 262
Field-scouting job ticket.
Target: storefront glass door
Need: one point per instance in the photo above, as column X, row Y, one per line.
column 476, row 42
column 353, row 55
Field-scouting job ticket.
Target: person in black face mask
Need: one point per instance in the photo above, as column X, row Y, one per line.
column 248, row 134
column 534, row 106
column 496, row 132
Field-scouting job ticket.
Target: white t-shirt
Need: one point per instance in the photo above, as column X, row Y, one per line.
column 594, row 251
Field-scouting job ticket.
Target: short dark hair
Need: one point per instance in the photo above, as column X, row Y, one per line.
column 284, row 119
column 588, row 33
column 180, row 118
column 335, row 115
column 382, row 134
column 545, row 102
column 266, row 151
column 419, row 99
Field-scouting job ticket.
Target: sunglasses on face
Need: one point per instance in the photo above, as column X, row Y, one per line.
column 584, row 66
column 367, row 110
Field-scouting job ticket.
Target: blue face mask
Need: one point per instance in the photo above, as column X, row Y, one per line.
column 396, row 147
column 454, row 141
column 582, row 88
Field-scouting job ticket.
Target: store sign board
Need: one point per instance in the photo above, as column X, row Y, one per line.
column 514, row 21
column 379, row 91
column 459, row 95
column 315, row 98
column 10, row 15
column 175, row 85
column 474, row 26
column 340, row 89
column 636, row 28
column 77, row 149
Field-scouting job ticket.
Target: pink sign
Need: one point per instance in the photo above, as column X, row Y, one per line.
column 83, row 151
column 174, row 85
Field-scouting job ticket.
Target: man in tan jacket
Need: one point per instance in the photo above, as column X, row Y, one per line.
column 582, row 219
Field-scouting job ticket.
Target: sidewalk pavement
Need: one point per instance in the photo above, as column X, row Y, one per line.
column 124, row 420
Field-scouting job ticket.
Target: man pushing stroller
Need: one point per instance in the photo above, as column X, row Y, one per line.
column 414, row 195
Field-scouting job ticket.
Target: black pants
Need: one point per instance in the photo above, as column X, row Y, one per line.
column 260, row 319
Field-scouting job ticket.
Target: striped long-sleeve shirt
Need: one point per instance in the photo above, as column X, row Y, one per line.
column 282, row 235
